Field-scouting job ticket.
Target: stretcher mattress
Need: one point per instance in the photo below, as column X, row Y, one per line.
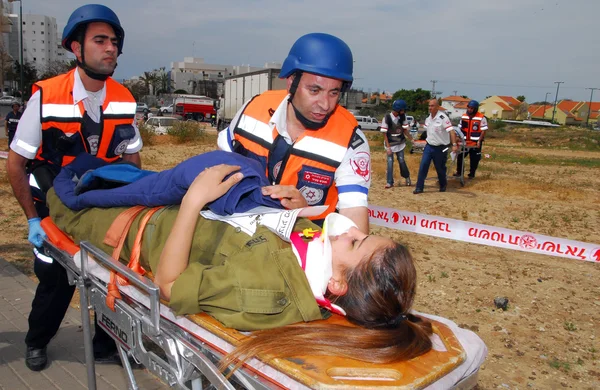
column 448, row 363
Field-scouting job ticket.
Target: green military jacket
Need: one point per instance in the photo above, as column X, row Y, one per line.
column 247, row 283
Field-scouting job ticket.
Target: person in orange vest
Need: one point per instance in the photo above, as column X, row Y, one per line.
column 81, row 111
column 311, row 147
column 473, row 124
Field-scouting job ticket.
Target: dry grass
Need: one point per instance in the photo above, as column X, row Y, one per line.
column 532, row 344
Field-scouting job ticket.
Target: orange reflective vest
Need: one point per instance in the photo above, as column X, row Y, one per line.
column 471, row 127
column 62, row 135
column 310, row 162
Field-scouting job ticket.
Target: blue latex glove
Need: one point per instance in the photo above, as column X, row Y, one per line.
column 36, row 233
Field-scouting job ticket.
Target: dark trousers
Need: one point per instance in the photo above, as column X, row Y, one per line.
column 51, row 301
column 404, row 172
column 49, row 306
column 439, row 156
column 11, row 135
column 474, row 158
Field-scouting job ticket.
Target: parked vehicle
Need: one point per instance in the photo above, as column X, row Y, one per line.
column 198, row 108
column 8, row 100
column 165, row 110
column 162, row 124
column 367, row 123
column 241, row 88
column 142, row 107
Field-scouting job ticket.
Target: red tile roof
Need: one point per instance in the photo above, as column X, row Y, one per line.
column 454, row 98
column 505, row 106
column 510, row 100
column 567, row 105
column 461, row 104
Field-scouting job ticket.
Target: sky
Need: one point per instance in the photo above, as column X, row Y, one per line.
column 477, row 48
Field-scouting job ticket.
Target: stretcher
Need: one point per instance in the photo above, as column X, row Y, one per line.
column 184, row 351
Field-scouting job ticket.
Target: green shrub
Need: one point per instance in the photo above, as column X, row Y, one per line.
column 147, row 134
column 186, row 131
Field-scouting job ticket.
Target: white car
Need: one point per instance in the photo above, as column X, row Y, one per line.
column 8, row 100
column 367, row 123
column 142, row 107
column 165, row 109
column 161, row 124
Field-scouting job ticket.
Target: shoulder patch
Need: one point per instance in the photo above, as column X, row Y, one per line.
column 442, row 116
column 356, row 141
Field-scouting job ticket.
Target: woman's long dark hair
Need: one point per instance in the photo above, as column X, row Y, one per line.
column 380, row 294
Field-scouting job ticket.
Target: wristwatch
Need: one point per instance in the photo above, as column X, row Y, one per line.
column 454, row 144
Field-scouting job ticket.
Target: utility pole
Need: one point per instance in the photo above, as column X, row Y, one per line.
column 455, row 93
column 433, row 88
column 558, row 83
column 545, row 100
column 590, row 107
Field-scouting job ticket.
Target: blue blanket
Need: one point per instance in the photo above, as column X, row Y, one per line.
column 159, row 189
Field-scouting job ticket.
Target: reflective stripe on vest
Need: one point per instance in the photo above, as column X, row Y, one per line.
column 313, row 158
column 63, row 118
column 471, row 127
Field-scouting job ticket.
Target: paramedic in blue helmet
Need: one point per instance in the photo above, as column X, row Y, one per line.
column 81, row 111
column 473, row 125
column 396, row 129
column 311, row 147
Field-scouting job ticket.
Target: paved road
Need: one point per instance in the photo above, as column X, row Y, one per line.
column 67, row 368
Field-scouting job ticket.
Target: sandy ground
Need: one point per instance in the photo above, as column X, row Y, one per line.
column 549, row 336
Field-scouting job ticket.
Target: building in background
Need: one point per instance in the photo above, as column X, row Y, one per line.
column 455, row 106
column 193, row 74
column 41, row 41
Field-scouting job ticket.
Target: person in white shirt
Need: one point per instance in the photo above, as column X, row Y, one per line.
column 395, row 127
column 439, row 134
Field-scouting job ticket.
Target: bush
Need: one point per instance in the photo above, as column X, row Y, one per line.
column 147, row 134
column 496, row 124
column 186, row 131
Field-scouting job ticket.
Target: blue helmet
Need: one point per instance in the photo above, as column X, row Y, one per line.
column 320, row 54
column 92, row 13
column 474, row 104
column 399, row 105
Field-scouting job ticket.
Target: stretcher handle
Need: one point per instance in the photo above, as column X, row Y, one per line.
column 142, row 283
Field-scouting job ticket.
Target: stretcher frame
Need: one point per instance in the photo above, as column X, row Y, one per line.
column 189, row 362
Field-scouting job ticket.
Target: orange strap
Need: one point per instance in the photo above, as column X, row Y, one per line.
column 58, row 237
column 116, row 236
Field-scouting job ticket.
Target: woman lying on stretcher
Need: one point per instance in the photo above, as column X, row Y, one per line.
column 373, row 280
column 256, row 283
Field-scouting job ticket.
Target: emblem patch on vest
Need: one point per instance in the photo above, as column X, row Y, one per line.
column 121, row 147
column 312, row 195
column 475, row 126
column 316, row 178
column 93, row 142
column 276, row 169
column 361, row 165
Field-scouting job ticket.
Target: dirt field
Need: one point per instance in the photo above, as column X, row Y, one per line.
column 542, row 181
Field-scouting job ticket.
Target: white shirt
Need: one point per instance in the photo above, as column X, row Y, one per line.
column 384, row 129
column 28, row 137
column 352, row 177
column 438, row 129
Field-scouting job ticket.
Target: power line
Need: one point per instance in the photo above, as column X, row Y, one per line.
column 501, row 85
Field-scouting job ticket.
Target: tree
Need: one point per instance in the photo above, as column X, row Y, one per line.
column 521, row 111
column 54, row 68
column 29, row 77
column 137, row 89
column 521, row 98
column 148, row 79
column 416, row 99
column 163, row 80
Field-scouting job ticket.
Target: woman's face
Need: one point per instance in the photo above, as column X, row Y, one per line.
column 350, row 248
